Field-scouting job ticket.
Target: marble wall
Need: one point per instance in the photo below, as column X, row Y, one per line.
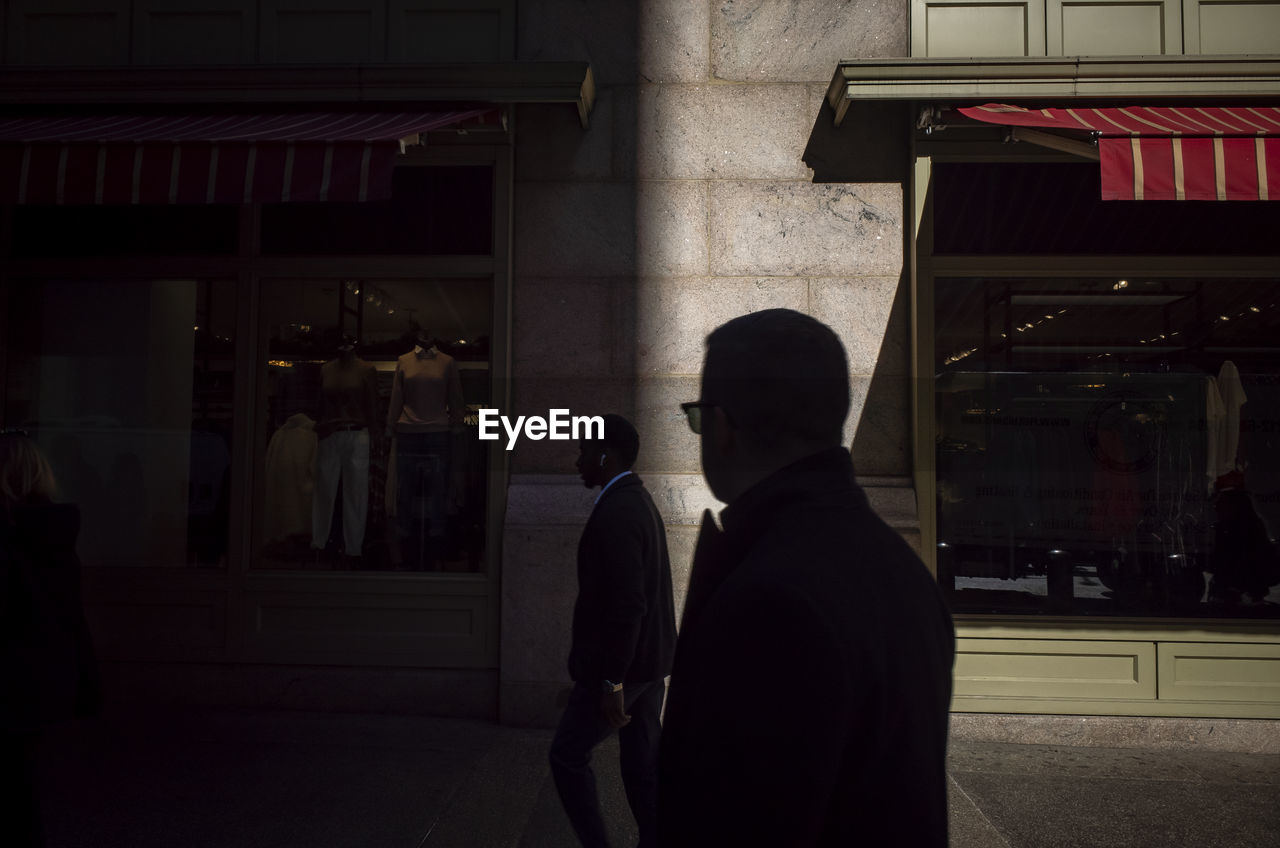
column 685, row 204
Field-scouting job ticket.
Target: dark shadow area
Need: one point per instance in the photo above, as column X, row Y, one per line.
column 871, row 145
column 882, row 441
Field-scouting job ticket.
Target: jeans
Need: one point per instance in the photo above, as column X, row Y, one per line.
column 422, row 490
column 344, row 456
column 582, row 728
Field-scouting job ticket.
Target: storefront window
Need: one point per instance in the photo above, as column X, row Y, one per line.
column 372, row 460
column 1109, row 445
column 127, row 385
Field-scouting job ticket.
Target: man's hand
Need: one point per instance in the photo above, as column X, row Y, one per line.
column 613, row 707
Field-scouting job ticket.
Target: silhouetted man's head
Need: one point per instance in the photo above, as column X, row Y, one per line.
column 600, row 460
column 776, row 388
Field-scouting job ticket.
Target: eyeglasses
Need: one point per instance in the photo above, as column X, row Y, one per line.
column 693, row 412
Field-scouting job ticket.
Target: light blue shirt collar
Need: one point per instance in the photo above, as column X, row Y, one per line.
column 610, row 483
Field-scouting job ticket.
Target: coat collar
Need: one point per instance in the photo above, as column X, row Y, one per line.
column 624, row 482
column 821, row 477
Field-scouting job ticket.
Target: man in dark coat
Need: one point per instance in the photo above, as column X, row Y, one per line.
column 810, row 692
column 623, row 639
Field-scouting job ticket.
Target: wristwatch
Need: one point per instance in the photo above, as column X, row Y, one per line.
column 609, row 687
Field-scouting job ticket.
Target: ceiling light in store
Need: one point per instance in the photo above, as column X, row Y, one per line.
column 1096, row 299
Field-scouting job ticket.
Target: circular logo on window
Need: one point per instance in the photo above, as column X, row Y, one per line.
column 1122, row 435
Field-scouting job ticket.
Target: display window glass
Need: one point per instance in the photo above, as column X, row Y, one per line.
column 127, row 385
column 371, row 459
column 1108, row 445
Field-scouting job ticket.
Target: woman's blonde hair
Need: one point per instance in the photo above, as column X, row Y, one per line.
column 25, row 474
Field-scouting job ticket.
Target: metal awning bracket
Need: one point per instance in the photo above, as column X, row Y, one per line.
column 1084, row 149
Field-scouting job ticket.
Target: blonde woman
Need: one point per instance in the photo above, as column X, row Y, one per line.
column 47, row 671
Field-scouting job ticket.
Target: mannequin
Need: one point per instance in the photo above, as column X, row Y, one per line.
column 425, row 415
column 348, row 399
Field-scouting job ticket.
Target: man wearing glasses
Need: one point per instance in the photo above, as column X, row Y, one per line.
column 809, row 696
column 624, row 635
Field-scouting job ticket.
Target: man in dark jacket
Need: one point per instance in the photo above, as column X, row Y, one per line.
column 810, row 692
column 623, row 639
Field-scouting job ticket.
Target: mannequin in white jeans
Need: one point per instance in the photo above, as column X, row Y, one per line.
column 348, row 394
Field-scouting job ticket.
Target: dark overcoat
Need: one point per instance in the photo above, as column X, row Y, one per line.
column 809, row 697
column 624, row 624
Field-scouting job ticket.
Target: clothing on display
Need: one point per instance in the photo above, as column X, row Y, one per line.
column 348, row 403
column 425, row 414
column 348, row 395
column 423, row 465
column 342, row 457
column 426, row 394
column 291, row 462
column 1224, row 426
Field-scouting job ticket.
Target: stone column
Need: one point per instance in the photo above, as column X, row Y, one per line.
column 685, row 204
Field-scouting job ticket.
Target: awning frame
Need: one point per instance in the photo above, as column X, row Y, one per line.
column 1047, row 81
column 412, row 87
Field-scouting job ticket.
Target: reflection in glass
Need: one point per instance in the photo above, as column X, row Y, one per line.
column 1109, row 446
column 372, row 460
column 127, row 385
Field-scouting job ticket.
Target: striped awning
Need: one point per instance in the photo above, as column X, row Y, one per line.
column 215, row 158
column 1169, row 152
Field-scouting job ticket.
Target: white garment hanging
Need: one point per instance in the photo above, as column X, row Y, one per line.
column 291, row 460
column 1233, row 397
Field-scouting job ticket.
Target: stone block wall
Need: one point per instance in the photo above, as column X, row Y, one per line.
column 685, row 204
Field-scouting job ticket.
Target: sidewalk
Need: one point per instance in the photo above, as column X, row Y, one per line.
column 258, row 779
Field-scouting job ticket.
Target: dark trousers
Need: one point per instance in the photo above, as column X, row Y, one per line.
column 422, row 491
column 582, row 727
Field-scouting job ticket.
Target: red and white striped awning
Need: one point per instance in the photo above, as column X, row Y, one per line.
column 1169, row 152
column 199, row 159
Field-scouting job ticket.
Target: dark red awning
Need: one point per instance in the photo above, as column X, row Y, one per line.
column 1169, row 152
column 266, row 158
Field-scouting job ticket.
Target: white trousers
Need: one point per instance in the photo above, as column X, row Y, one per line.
column 342, row 456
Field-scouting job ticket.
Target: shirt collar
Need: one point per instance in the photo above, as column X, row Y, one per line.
column 610, row 483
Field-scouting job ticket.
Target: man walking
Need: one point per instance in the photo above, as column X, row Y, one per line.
column 810, row 691
column 623, row 639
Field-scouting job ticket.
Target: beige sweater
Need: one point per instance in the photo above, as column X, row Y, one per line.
column 426, row 394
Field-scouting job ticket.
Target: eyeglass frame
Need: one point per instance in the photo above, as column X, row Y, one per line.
column 689, row 407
